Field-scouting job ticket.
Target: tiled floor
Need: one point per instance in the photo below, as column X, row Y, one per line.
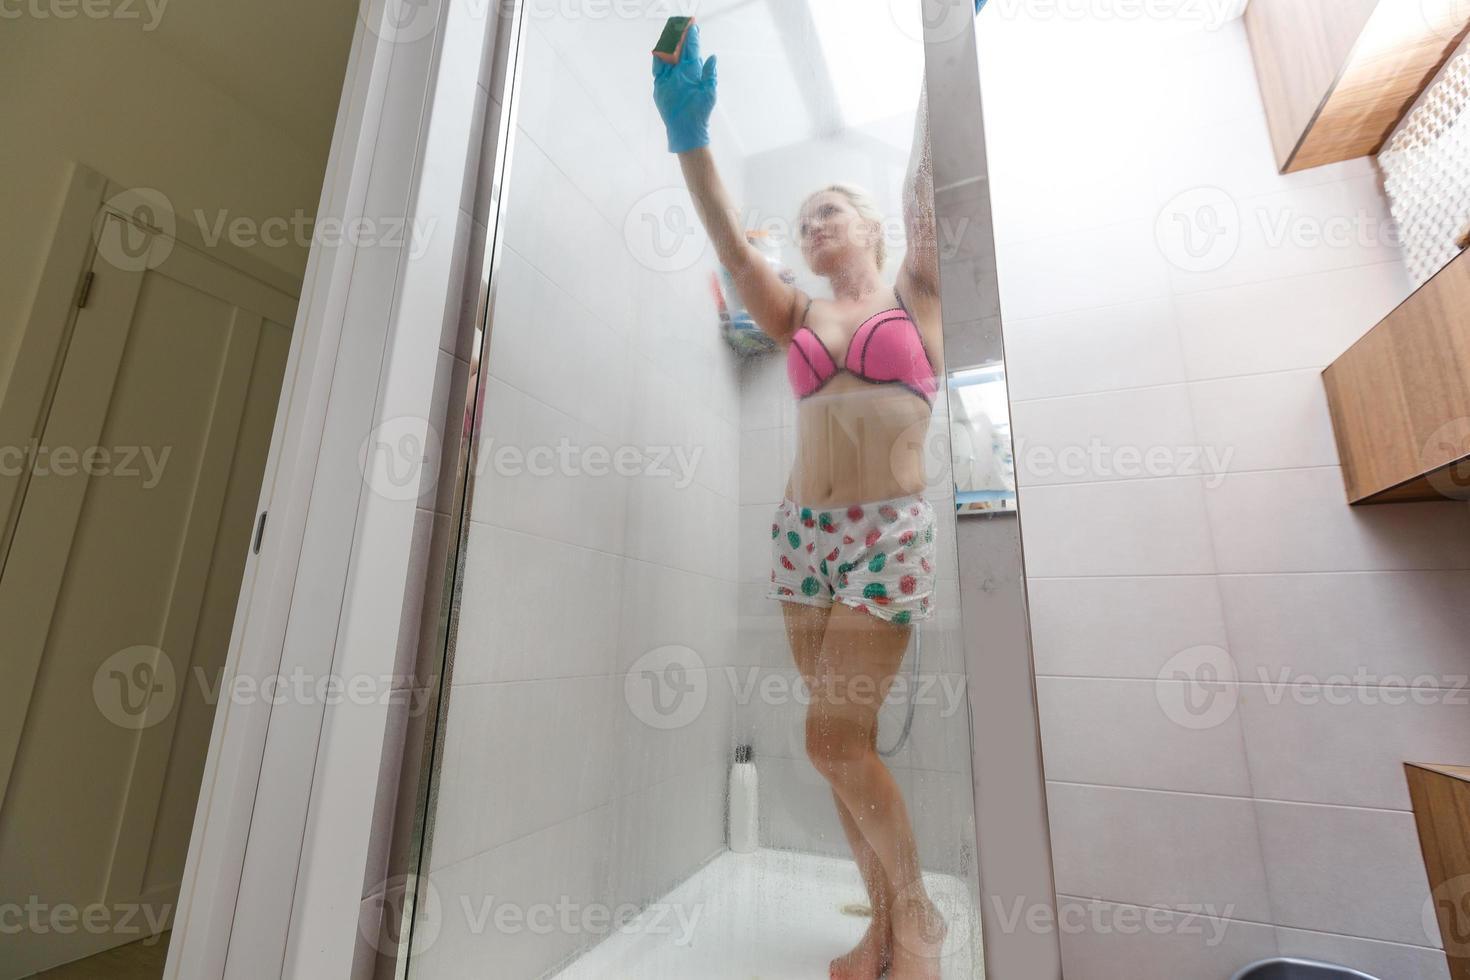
column 142, row 960
column 775, row 915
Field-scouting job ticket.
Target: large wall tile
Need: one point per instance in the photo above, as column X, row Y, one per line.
column 561, row 864
column 1299, row 521
column 1404, row 625
column 1285, row 324
column 1107, row 941
column 1118, row 733
column 1121, row 626
column 1349, row 871
column 1119, row 435
column 1267, row 421
column 521, row 756
column 1334, row 743
column 1392, row 961
column 1125, row 527
column 1082, row 270
column 1131, row 345
column 1149, row 848
column 506, row 629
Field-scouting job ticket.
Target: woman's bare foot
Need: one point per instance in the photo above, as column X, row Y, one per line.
column 918, row 939
column 870, row 957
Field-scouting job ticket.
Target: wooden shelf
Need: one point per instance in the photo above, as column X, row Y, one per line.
column 1400, row 398
column 1338, row 75
column 1441, row 796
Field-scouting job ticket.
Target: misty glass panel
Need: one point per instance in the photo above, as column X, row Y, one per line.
column 706, row 647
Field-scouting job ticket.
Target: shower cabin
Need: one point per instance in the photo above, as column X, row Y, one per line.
column 615, row 778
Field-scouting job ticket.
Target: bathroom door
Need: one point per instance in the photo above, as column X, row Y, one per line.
column 119, row 589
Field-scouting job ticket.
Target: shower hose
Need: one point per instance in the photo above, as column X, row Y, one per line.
column 908, row 718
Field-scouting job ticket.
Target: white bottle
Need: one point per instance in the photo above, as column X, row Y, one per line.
column 744, row 814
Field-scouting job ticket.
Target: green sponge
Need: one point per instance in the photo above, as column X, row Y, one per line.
column 670, row 45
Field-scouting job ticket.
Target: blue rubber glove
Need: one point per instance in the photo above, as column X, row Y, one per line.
column 685, row 95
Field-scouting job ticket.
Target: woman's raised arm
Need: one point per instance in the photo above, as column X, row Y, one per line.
column 920, row 272
column 685, row 95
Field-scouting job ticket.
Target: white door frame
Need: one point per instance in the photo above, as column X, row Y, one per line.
column 324, row 594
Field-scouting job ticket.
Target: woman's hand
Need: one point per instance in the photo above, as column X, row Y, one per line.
column 685, row 95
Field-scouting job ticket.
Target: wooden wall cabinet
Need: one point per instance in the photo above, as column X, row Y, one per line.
column 1338, row 75
column 1441, row 796
column 1400, row 398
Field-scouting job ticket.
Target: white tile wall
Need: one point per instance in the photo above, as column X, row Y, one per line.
column 550, row 786
column 1285, row 804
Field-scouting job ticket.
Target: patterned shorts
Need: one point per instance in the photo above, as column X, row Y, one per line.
column 875, row 557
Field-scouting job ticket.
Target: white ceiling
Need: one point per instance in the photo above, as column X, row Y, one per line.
column 284, row 59
column 793, row 70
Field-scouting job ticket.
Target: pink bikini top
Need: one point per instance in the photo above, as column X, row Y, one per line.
column 887, row 349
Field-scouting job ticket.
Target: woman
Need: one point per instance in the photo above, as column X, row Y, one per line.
column 853, row 544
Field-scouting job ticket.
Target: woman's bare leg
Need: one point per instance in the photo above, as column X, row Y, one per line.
column 805, row 627
column 859, row 657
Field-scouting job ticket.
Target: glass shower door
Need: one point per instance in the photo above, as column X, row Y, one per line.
column 704, row 709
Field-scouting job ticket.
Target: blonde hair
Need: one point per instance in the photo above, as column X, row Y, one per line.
column 867, row 208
